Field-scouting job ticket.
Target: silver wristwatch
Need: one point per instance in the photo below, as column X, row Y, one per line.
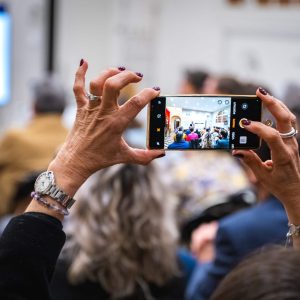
column 45, row 185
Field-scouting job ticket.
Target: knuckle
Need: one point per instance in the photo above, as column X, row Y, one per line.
column 110, row 84
column 76, row 88
column 137, row 102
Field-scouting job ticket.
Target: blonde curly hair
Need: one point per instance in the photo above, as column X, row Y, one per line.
column 122, row 232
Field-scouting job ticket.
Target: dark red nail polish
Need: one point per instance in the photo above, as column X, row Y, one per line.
column 139, row 74
column 161, row 155
column 156, row 88
column 121, row 68
column 81, row 62
column 246, row 122
column 238, row 155
column 262, row 91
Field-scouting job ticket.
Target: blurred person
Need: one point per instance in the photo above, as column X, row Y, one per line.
column 193, row 82
column 20, row 199
column 292, row 100
column 269, row 274
column 227, row 85
column 122, row 239
column 235, row 236
column 223, row 141
column 179, row 142
column 31, row 148
column 192, row 135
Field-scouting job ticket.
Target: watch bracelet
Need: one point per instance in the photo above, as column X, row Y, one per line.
column 42, row 201
column 61, row 197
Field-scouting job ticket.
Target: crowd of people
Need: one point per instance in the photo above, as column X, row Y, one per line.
column 206, row 138
column 122, row 238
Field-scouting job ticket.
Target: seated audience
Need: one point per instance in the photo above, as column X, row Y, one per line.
column 179, row 142
column 192, row 136
column 31, row 242
column 31, row 148
column 223, row 140
column 121, row 239
column 270, row 274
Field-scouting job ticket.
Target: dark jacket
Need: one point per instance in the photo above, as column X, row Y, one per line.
column 238, row 235
column 29, row 248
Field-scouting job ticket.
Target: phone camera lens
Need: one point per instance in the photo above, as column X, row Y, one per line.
column 244, row 106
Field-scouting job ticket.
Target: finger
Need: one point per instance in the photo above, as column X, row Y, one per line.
column 282, row 114
column 79, row 84
column 135, row 104
column 96, row 85
column 114, row 84
column 252, row 160
column 272, row 138
column 144, row 157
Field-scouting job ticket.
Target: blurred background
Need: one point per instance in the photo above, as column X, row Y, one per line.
column 250, row 39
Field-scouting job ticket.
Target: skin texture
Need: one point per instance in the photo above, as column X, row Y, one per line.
column 95, row 141
column 281, row 174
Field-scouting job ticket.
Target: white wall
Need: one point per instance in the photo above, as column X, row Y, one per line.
column 159, row 38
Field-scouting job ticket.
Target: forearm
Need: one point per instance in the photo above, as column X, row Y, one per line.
column 29, row 248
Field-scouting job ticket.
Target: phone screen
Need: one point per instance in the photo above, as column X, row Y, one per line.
column 202, row 122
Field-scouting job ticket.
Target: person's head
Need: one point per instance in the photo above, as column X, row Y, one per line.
column 228, row 85
column 193, row 82
column 192, row 129
column 122, row 230
column 271, row 274
column 224, row 133
column 49, row 96
column 179, row 136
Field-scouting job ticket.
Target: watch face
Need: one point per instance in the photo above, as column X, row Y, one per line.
column 43, row 182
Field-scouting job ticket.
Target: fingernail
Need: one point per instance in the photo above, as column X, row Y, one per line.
column 246, row 122
column 81, row 62
column 121, row 68
column 161, row 155
column 139, row 74
column 156, row 88
column 238, row 155
column 262, row 91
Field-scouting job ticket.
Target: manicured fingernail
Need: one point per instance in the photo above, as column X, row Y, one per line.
column 238, row 155
column 81, row 62
column 121, row 68
column 161, row 155
column 246, row 122
column 156, row 88
column 139, row 74
column 262, row 91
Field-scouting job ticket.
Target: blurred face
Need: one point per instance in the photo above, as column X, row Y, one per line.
column 210, row 85
column 186, row 88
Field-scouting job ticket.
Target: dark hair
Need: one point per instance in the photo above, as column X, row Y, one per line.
column 49, row 96
column 224, row 133
column 229, row 85
column 270, row 274
column 179, row 136
column 196, row 78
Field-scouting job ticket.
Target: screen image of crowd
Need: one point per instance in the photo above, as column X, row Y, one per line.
column 197, row 122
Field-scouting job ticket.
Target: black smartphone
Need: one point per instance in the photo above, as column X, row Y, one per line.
column 199, row 122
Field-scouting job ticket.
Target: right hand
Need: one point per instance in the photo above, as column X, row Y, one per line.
column 281, row 174
column 95, row 141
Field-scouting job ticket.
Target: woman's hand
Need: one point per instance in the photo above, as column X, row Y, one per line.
column 281, row 175
column 96, row 142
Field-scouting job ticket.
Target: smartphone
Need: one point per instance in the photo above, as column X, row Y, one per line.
column 199, row 122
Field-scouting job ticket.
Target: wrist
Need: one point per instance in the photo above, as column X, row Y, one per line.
column 66, row 178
